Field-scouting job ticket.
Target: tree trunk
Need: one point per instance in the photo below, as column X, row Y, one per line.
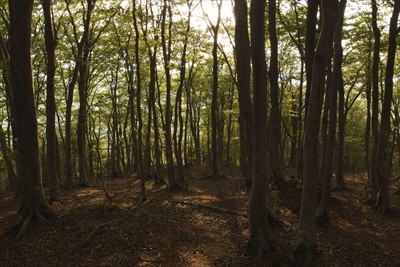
column 306, row 239
column 139, row 150
column 274, row 126
column 383, row 159
column 214, row 99
column 50, row 42
column 242, row 53
column 34, row 205
column 260, row 233
column 12, row 176
column 81, row 130
column 166, row 47
column 336, row 82
column 311, row 32
column 178, row 132
column 373, row 179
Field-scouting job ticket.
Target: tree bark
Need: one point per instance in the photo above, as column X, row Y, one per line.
column 242, row 53
column 383, row 159
column 34, row 205
column 275, row 155
column 260, row 241
column 311, row 32
column 214, row 99
column 139, row 150
column 306, row 239
column 373, row 179
column 50, row 42
column 336, row 82
column 166, row 47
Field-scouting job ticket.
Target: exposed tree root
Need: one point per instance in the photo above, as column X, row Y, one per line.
column 322, row 220
column 259, row 245
column 28, row 218
column 21, row 228
column 305, row 253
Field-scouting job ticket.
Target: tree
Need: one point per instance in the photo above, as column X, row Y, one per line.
column 139, row 150
column 243, row 68
column 336, row 82
column 50, row 41
column 166, row 49
column 214, row 99
column 373, row 179
column 275, row 156
column 34, row 206
column 383, row 159
column 260, row 240
column 311, row 32
column 306, row 239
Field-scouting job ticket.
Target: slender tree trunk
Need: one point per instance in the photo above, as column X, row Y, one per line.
column 242, row 53
column 12, row 176
column 152, row 101
column 69, row 165
column 214, row 99
column 306, row 239
column 138, row 104
column 383, row 159
column 81, row 130
column 275, row 155
column 50, row 42
column 34, row 205
column 373, row 179
column 166, row 47
column 260, row 233
column 336, row 82
column 311, row 33
column 178, row 105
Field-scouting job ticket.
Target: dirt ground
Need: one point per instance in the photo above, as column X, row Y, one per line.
column 203, row 226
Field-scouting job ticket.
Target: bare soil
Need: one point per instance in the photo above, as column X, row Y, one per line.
column 204, row 226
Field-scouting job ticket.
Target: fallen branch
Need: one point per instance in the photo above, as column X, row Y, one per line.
column 95, row 229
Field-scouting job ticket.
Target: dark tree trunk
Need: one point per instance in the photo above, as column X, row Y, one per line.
column 311, row 33
column 69, row 172
column 139, row 150
column 166, row 47
column 336, row 82
column 34, row 205
column 214, row 99
column 69, row 168
column 178, row 132
column 275, row 155
column 50, row 41
column 373, row 179
column 340, row 182
column 383, row 159
column 260, row 233
column 242, row 53
column 11, row 173
column 83, row 98
column 306, row 239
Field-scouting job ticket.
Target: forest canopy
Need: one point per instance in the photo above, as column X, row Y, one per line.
column 94, row 90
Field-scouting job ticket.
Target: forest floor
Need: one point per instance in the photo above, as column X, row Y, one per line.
column 206, row 225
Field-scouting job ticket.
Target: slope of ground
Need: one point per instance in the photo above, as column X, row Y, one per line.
column 203, row 226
